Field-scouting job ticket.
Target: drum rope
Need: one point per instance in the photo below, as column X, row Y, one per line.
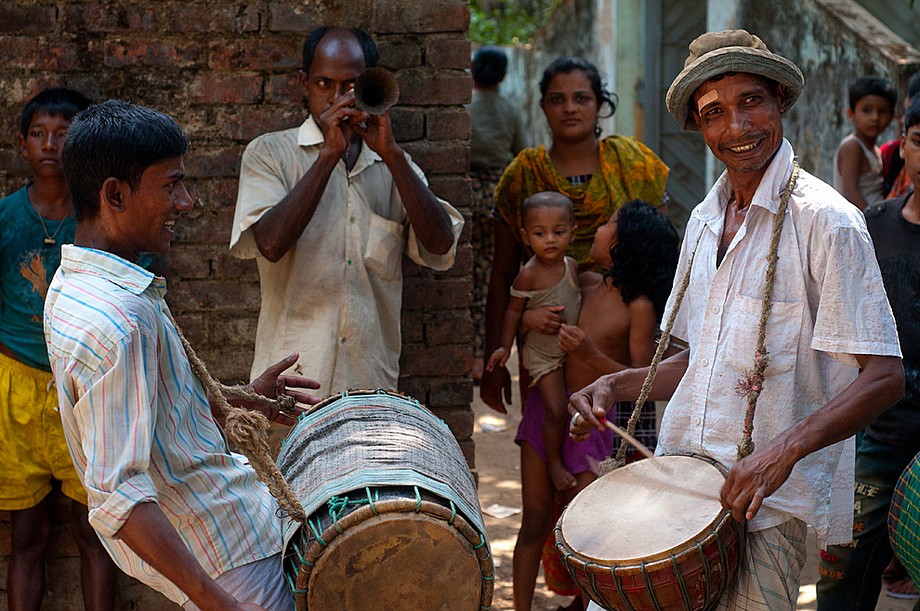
column 247, row 429
column 751, row 384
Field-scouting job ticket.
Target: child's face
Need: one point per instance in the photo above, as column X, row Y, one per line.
column 910, row 153
column 42, row 144
column 604, row 239
column 548, row 231
column 871, row 116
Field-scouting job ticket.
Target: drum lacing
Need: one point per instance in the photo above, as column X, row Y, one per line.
column 338, row 504
column 751, row 384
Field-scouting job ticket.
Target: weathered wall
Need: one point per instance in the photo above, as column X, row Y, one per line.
column 833, row 42
column 227, row 70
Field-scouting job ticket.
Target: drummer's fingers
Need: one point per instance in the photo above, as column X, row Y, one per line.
column 754, row 507
column 302, row 397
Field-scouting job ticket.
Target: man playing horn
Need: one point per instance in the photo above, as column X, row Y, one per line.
column 327, row 209
column 829, row 362
column 171, row 504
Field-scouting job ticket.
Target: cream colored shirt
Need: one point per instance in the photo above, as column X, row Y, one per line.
column 828, row 305
column 336, row 296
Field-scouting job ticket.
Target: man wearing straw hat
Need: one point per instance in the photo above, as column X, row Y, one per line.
column 792, row 344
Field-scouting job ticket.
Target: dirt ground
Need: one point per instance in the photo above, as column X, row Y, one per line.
column 498, row 466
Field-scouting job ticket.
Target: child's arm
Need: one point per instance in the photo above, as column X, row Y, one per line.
column 643, row 327
column 509, row 331
column 851, row 162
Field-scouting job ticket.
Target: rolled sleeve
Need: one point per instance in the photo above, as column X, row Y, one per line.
column 116, row 418
column 260, row 188
column 421, row 256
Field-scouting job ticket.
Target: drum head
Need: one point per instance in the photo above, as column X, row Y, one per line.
column 396, row 558
column 643, row 511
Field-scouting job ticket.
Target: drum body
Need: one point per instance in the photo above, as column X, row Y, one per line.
column 394, row 516
column 904, row 519
column 652, row 535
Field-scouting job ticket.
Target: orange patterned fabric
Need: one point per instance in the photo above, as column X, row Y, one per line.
column 628, row 170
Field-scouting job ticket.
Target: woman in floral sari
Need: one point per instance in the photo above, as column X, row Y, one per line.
column 599, row 176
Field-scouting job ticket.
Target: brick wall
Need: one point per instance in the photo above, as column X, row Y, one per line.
column 227, row 71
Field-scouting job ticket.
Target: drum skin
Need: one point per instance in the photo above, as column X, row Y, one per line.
column 904, row 519
column 394, row 518
column 652, row 536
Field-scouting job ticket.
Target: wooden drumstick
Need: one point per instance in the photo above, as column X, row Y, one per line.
column 629, row 439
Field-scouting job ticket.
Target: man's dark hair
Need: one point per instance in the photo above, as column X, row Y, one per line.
column 872, row 85
column 116, row 139
column 371, row 54
column 912, row 115
column 565, row 65
column 644, row 256
column 490, row 64
column 56, row 101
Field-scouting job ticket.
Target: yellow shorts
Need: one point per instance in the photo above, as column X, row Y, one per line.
column 33, row 450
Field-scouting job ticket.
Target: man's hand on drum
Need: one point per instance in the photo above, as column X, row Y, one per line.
column 273, row 384
column 589, row 406
column 754, row 478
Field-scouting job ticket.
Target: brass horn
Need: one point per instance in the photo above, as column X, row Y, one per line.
column 376, row 90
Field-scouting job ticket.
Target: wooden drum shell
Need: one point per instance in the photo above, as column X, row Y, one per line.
column 689, row 575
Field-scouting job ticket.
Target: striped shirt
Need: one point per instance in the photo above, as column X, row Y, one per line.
column 138, row 421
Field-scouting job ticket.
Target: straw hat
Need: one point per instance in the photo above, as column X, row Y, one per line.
column 716, row 53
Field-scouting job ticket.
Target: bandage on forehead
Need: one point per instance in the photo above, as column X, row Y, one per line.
column 705, row 99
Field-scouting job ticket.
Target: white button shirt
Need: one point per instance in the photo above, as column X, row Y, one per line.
column 828, row 305
column 336, row 296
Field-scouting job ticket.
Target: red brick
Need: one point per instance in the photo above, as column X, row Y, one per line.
column 396, row 54
column 458, row 419
column 440, row 158
column 193, row 260
column 425, row 88
column 223, row 161
column 283, row 89
column 233, row 331
column 217, row 297
column 256, row 54
column 212, row 193
column 236, row 88
column 436, row 295
column 15, row 17
column 446, row 360
column 447, row 392
column 448, row 53
column 290, row 17
column 230, row 364
column 246, row 122
column 229, row 267
column 408, row 124
column 396, row 16
column 448, row 124
column 463, row 261
column 194, row 325
column 417, row 388
column 449, row 327
column 205, row 227
column 109, row 17
column 153, row 53
column 206, row 17
column 413, row 327
column 454, row 189
column 30, row 53
column 197, row 123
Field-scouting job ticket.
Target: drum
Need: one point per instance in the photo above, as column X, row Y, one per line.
column 904, row 519
column 394, row 515
column 652, row 535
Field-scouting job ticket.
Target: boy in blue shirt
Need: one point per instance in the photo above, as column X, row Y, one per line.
column 34, row 222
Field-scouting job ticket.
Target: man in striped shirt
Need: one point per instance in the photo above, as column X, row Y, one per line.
column 172, row 505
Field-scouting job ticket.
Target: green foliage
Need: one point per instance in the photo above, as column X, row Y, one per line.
column 498, row 22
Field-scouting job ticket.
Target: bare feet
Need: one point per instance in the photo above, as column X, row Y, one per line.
column 562, row 479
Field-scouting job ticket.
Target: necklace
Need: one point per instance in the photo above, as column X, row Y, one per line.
column 49, row 239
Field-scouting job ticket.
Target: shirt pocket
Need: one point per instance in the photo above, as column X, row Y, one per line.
column 383, row 250
column 781, row 340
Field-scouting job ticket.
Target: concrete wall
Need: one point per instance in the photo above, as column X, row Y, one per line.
column 227, row 70
column 833, row 42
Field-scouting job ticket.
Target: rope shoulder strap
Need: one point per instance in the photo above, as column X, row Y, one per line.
column 751, row 384
column 248, row 430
